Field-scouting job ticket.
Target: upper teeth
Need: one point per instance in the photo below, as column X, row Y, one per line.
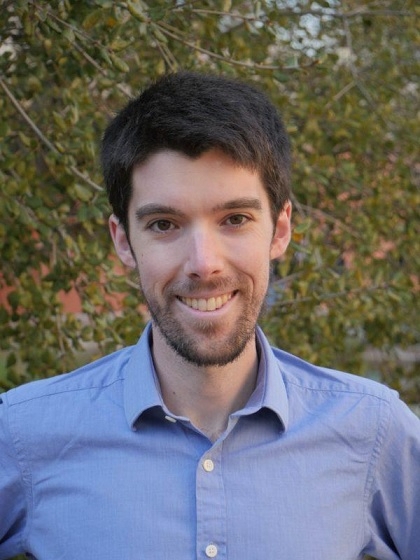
column 210, row 304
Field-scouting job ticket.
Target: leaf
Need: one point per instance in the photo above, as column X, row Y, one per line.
column 281, row 77
column 52, row 24
column 83, row 192
column 106, row 56
column 26, row 141
column 158, row 34
column 119, row 44
column 11, row 360
column 13, row 299
column 92, row 19
column 303, row 227
column 69, row 35
column 119, row 63
column 137, row 11
column 59, row 121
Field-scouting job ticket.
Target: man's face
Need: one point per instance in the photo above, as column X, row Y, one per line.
column 201, row 238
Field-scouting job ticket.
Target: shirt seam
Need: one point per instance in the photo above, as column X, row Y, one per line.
column 62, row 391
column 338, row 390
column 25, row 476
column 383, row 423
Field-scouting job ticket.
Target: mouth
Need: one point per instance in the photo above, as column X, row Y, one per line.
column 207, row 304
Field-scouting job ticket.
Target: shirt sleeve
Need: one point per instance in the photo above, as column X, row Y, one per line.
column 394, row 486
column 12, row 495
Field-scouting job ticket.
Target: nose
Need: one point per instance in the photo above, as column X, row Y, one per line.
column 203, row 254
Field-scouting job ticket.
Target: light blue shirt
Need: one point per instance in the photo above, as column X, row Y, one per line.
column 319, row 465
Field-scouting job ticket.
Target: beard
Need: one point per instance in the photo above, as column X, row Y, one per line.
column 205, row 345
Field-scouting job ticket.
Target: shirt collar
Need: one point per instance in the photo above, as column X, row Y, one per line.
column 141, row 387
column 142, row 392
column 270, row 391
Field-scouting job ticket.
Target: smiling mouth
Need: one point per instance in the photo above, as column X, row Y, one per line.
column 210, row 304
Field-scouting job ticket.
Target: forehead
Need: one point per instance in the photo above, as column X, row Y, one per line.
column 212, row 179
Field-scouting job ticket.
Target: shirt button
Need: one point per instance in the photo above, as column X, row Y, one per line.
column 208, row 465
column 211, row 551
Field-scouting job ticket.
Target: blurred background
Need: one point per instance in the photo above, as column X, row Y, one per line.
column 344, row 75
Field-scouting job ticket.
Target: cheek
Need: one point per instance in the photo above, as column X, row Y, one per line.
column 256, row 266
column 154, row 270
column 256, row 253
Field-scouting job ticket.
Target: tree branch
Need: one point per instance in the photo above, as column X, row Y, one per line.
column 333, row 295
column 43, row 138
column 99, row 68
column 212, row 54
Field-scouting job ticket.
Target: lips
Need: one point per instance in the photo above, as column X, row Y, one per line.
column 210, row 304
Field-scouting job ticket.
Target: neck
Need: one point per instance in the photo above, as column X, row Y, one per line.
column 205, row 395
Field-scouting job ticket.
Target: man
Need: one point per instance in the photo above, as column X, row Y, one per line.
column 202, row 441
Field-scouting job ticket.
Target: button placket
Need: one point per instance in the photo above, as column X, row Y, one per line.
column 211, row 505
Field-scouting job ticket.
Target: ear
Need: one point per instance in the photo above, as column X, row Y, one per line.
column 282, row 232
column 121, row 243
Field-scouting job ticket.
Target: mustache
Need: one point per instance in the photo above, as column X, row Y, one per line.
column 195, row 286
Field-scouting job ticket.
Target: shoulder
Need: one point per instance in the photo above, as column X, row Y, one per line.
column 358, row 409
column 347, row 403
column 99, row 374
column 303, row 375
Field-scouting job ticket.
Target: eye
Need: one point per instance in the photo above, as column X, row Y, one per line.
column 161, row 226
column 237, row 220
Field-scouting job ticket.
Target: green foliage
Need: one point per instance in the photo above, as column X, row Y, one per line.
column 343, row 75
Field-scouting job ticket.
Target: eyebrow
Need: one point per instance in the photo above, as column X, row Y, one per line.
column 238, row 203
column 235, row 204
column 153, row 208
